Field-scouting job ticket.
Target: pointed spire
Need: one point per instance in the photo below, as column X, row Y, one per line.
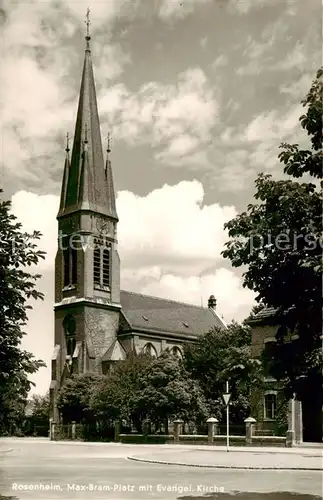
column 65, row 175
column 85, row 183
column 109, row 181
column 89, row 186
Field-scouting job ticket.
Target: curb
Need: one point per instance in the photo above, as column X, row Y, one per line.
column 241, row 467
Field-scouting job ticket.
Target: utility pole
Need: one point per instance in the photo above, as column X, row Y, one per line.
column 226, row 398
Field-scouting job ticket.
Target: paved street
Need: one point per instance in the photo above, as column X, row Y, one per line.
column 39, row 469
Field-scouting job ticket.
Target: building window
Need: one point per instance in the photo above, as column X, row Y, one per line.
column 268, row 355
column 106, row 267
column 150, row 350
column 69, row 262
column 66, row 256
column 270, row 404
column 69, row 325
column 101, row 265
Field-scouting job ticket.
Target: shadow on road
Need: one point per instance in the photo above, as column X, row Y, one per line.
column 3, row 497
column 282, row 495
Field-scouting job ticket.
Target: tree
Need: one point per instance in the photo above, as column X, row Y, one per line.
column 74, row 397
column 224, row 355
column 299, row 162
column 142, row 387
column 167, row 392
column 279, row 240
column 37, row 415
column 18, row 251
column 113, row 398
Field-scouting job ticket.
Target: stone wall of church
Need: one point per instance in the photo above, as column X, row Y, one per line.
column 101, row 326
column 159, row 344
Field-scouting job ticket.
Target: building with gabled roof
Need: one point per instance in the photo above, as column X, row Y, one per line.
column 96, row 323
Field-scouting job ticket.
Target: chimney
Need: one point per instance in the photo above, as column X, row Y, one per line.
column 211, row 303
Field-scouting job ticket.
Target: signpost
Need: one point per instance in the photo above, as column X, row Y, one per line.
column 226, row 399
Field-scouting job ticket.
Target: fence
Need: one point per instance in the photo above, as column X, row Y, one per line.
column 97, row 432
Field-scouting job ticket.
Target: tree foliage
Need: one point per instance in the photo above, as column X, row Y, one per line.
column 168, row 392
column 299, row 162
column 220, row 356
column 142, row 387
column 18, row 251
column 74, row 396
column 37, row 415
column 279, row 240
column 113, row 398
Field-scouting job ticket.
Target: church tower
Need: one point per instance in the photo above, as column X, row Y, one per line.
column 87, row 267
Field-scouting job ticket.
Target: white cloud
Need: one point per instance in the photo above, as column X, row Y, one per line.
column 220, row 61
column 164, row 115
column 170, row 9
column 39, row 213
column 187, row 239
column 36, row 80
column 169, row 242
column 223, row 284
column 273, row 126
column 110, row 60
column 245, row 6
column 298, row 89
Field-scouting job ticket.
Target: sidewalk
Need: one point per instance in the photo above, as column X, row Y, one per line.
column 244, row 458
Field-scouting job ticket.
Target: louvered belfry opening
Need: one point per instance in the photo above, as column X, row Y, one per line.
column 101, row 264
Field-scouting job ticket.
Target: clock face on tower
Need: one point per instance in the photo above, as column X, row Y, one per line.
column 102, row 225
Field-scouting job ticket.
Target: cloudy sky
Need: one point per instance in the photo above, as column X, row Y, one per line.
column 198, row 95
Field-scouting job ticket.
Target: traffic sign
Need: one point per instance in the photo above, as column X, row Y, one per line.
column 226, row 398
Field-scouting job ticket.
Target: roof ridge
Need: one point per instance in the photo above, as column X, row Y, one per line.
column 167, row 300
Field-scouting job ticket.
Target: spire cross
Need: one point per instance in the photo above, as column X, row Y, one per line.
column 87, row 22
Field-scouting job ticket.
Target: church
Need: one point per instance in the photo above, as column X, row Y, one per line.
column 96, row 323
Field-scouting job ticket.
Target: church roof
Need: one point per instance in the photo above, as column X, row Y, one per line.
column 155, row 315
column 115, row 352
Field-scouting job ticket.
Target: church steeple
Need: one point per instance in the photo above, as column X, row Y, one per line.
column 109, row 180
column 65, row 175
column 87, row 186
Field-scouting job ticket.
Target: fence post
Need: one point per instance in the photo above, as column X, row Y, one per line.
column 73, row 429
column 52, row 431
column 177, row 428
column 212, row 428
column 250, row 428
column 298, row 422
column 117, row 429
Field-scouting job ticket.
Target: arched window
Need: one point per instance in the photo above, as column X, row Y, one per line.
column 175, row 351
column 150, row 350
column 270, row 405
column 69, row 325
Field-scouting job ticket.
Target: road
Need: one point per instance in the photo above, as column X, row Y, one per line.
column 38, row 469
